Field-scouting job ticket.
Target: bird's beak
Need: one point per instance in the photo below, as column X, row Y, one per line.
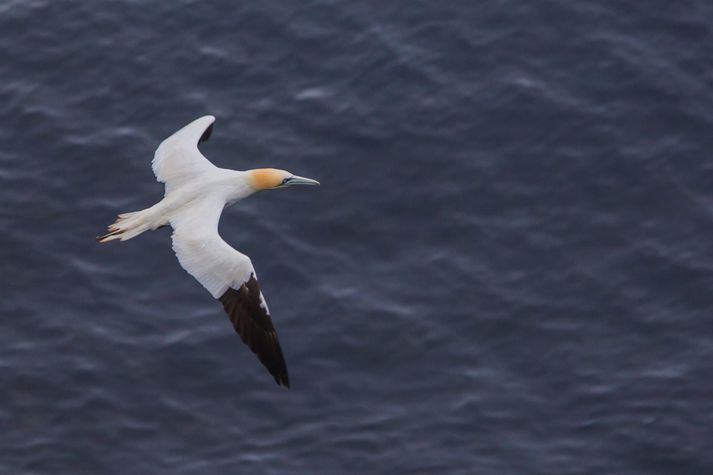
column 299, row 180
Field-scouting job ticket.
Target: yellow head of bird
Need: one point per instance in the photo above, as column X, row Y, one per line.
column 271, row 178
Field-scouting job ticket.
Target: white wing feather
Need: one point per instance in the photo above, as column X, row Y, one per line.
column 203, row 253
column 177, row 160
column 218, row 267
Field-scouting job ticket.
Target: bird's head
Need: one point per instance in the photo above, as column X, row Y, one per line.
column 271, row 178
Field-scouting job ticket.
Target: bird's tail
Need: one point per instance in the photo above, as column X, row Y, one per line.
column 126, row 226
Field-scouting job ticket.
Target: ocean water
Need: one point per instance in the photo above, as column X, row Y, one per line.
column 508, row 268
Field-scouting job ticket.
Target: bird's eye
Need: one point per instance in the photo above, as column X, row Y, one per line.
column 286, row 180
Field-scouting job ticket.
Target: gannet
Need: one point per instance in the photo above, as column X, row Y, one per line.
column 196, row 191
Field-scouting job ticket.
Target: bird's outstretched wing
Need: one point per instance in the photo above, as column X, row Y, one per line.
column 177, row 159
column 230, row 277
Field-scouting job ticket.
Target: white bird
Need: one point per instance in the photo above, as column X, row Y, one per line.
column 196, row 193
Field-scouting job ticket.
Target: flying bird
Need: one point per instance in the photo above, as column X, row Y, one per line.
column 196, row 191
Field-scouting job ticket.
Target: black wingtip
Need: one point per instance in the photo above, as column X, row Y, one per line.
column 278, row 373
column 206, row 134
column 282, row 380
column 252, row 322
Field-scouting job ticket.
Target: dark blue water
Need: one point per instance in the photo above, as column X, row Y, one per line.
column 508, row 268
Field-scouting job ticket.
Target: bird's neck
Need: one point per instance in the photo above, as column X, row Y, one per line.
column 238, row 186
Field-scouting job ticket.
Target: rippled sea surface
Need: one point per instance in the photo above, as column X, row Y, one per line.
column 508, row 268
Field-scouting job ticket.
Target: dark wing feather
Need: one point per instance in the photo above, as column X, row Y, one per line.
column 206, row 134
column 252, row 322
